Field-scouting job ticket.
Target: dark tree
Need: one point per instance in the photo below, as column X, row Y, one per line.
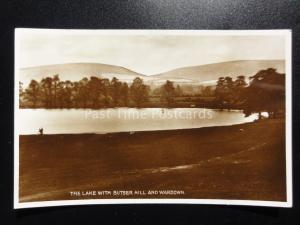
column 239, row 87
column 220, row 92
column 224, row 92
column 116, row 87
column 68, row 86
column 47, row 94
column 266, row 92
column 139, row 92
column 125, row 94
column 82, row 94
column 60, row 94
column 105, row 88
column 55, row 81
column 229, row 90
column 32, row 93
column 168, row 92
column 94, row 87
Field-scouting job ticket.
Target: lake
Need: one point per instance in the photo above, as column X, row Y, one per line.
column 66, row 121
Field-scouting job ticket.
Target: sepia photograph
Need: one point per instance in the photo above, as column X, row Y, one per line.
column 152, row 116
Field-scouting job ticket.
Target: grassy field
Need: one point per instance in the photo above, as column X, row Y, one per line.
column 234, row 162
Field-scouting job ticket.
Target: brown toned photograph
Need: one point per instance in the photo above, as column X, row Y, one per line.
column 152, row 116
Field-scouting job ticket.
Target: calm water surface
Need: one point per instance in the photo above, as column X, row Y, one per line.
column 59, row 121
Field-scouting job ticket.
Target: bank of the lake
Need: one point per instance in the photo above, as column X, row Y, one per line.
column 245, row 161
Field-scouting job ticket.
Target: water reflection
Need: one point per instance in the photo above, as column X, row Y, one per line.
column 58, row 121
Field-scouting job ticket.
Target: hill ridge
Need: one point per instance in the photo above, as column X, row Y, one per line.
column 190, row 74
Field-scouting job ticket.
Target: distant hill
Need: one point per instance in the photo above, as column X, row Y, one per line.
column 211, row 72
column 195, row 75
column 76, row 71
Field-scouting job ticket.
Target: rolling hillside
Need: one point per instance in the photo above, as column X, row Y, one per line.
column 210, row 72
column 76, row 71
column 195, row 75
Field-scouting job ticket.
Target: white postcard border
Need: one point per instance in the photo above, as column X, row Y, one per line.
column 288, row 68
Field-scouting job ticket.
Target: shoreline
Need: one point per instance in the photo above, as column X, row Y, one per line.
column 179, row 106
column 140, row 131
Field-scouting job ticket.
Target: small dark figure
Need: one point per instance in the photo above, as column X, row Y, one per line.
column 41, row 131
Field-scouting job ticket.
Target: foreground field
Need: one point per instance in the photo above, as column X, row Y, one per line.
column 234, row 162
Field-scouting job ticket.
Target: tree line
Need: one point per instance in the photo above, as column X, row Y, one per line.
column 93, row 92
column 265, row 91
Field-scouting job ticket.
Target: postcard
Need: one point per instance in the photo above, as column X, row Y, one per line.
column 152, row 116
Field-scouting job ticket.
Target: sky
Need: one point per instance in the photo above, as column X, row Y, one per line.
column 146, row 54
